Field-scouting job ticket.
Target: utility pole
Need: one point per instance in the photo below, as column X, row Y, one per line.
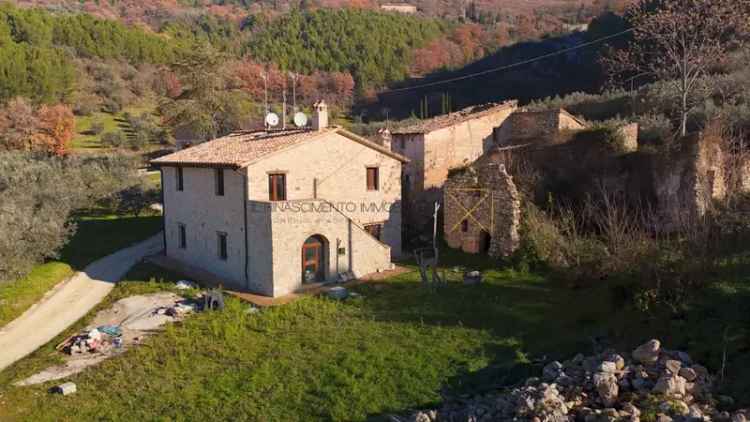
column 434, row 230
column 283, row 105
column 264, row 75
column 294, row 78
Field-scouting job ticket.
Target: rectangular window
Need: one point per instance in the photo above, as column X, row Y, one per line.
column 222, row 246
column 403, row 144
column 182, row 236
column 372, row 178
column 277, row 187
column 465, row 226
column 219, row 182
column 180, row 182
column 375, row 230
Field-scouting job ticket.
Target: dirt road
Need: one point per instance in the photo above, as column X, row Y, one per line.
column 69, row 302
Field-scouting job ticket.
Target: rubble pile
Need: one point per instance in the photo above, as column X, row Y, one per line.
column 650, row 384
column 113, row 330
column 105, row 338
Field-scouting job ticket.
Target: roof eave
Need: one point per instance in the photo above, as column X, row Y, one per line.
column 194, row 164
column 368, row 143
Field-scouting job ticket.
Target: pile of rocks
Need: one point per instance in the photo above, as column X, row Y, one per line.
column 652, row 384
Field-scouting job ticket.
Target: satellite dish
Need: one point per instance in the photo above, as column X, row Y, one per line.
column 300, row 119
column 272, row 119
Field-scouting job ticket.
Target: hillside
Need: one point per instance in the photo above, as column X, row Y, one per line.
column 154, row 13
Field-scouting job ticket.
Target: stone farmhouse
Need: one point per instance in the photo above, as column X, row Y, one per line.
column 436, row 145
column 270, row 211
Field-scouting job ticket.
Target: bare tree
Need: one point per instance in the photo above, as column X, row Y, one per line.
column 680, row 42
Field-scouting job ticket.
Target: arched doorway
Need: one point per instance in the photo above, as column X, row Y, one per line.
column 485, row 241
column 314, row 259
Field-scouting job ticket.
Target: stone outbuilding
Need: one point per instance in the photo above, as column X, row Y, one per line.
column 482, row 209
column 536, row 124
column 436, row 145
column 482, row 201
column 271, row 211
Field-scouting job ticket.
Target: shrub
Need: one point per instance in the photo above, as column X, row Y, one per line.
column 97, row 128
column 114, row 139
column 136, row 199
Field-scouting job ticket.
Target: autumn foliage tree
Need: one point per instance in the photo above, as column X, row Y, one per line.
column 679, row 42
column 336, row 88
column 47, row 129
column 56, row 129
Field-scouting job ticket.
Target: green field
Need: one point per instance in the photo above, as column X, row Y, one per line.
column 393, row 349
column 85, row 140
column 95, row 238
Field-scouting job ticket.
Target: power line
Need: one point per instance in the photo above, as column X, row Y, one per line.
column 510, row 66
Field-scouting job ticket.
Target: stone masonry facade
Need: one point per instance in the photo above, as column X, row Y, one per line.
column 339, row 189
column 482, row 210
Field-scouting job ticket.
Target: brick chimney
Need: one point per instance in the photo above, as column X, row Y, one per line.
column 320, row 116
column 385, row 137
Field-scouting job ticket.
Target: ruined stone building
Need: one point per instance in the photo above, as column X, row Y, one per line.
column 482, row 204
column 482, row 209
column 523, row 125
column 436, row 145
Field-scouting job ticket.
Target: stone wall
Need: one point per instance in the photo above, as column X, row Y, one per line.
column 688, row 179
column 348, row 247
column 204, row 214
column 482, row 210
column 335, row 169
column 537, row 124
column 433, row 154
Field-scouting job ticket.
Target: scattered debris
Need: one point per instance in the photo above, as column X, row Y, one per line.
column 125, row 324
column 65, row 389
column 185, row 285
column 346, row 276
column 213, row 300
column 605, row 387
column 472, row 277
column 338, row 293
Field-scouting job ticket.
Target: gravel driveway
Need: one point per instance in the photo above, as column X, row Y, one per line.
column 69, row 302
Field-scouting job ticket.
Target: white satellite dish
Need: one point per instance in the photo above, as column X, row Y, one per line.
column 272, row 119
column 300, row 119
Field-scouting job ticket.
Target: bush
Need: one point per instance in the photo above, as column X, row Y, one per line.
column 136, row 199
column 96, row 128
column 114, row 139
column 111, row 106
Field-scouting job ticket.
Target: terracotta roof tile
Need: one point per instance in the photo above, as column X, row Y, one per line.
column 242, row 148
column 446, row 120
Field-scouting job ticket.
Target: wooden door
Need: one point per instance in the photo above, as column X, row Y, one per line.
column 312, row 261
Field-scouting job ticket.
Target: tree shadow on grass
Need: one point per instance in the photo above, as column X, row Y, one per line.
column 551, row 322
column 99, row 237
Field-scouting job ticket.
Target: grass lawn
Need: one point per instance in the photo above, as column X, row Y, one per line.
column 395, row 348
column 96, row 237
column 85, row 140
